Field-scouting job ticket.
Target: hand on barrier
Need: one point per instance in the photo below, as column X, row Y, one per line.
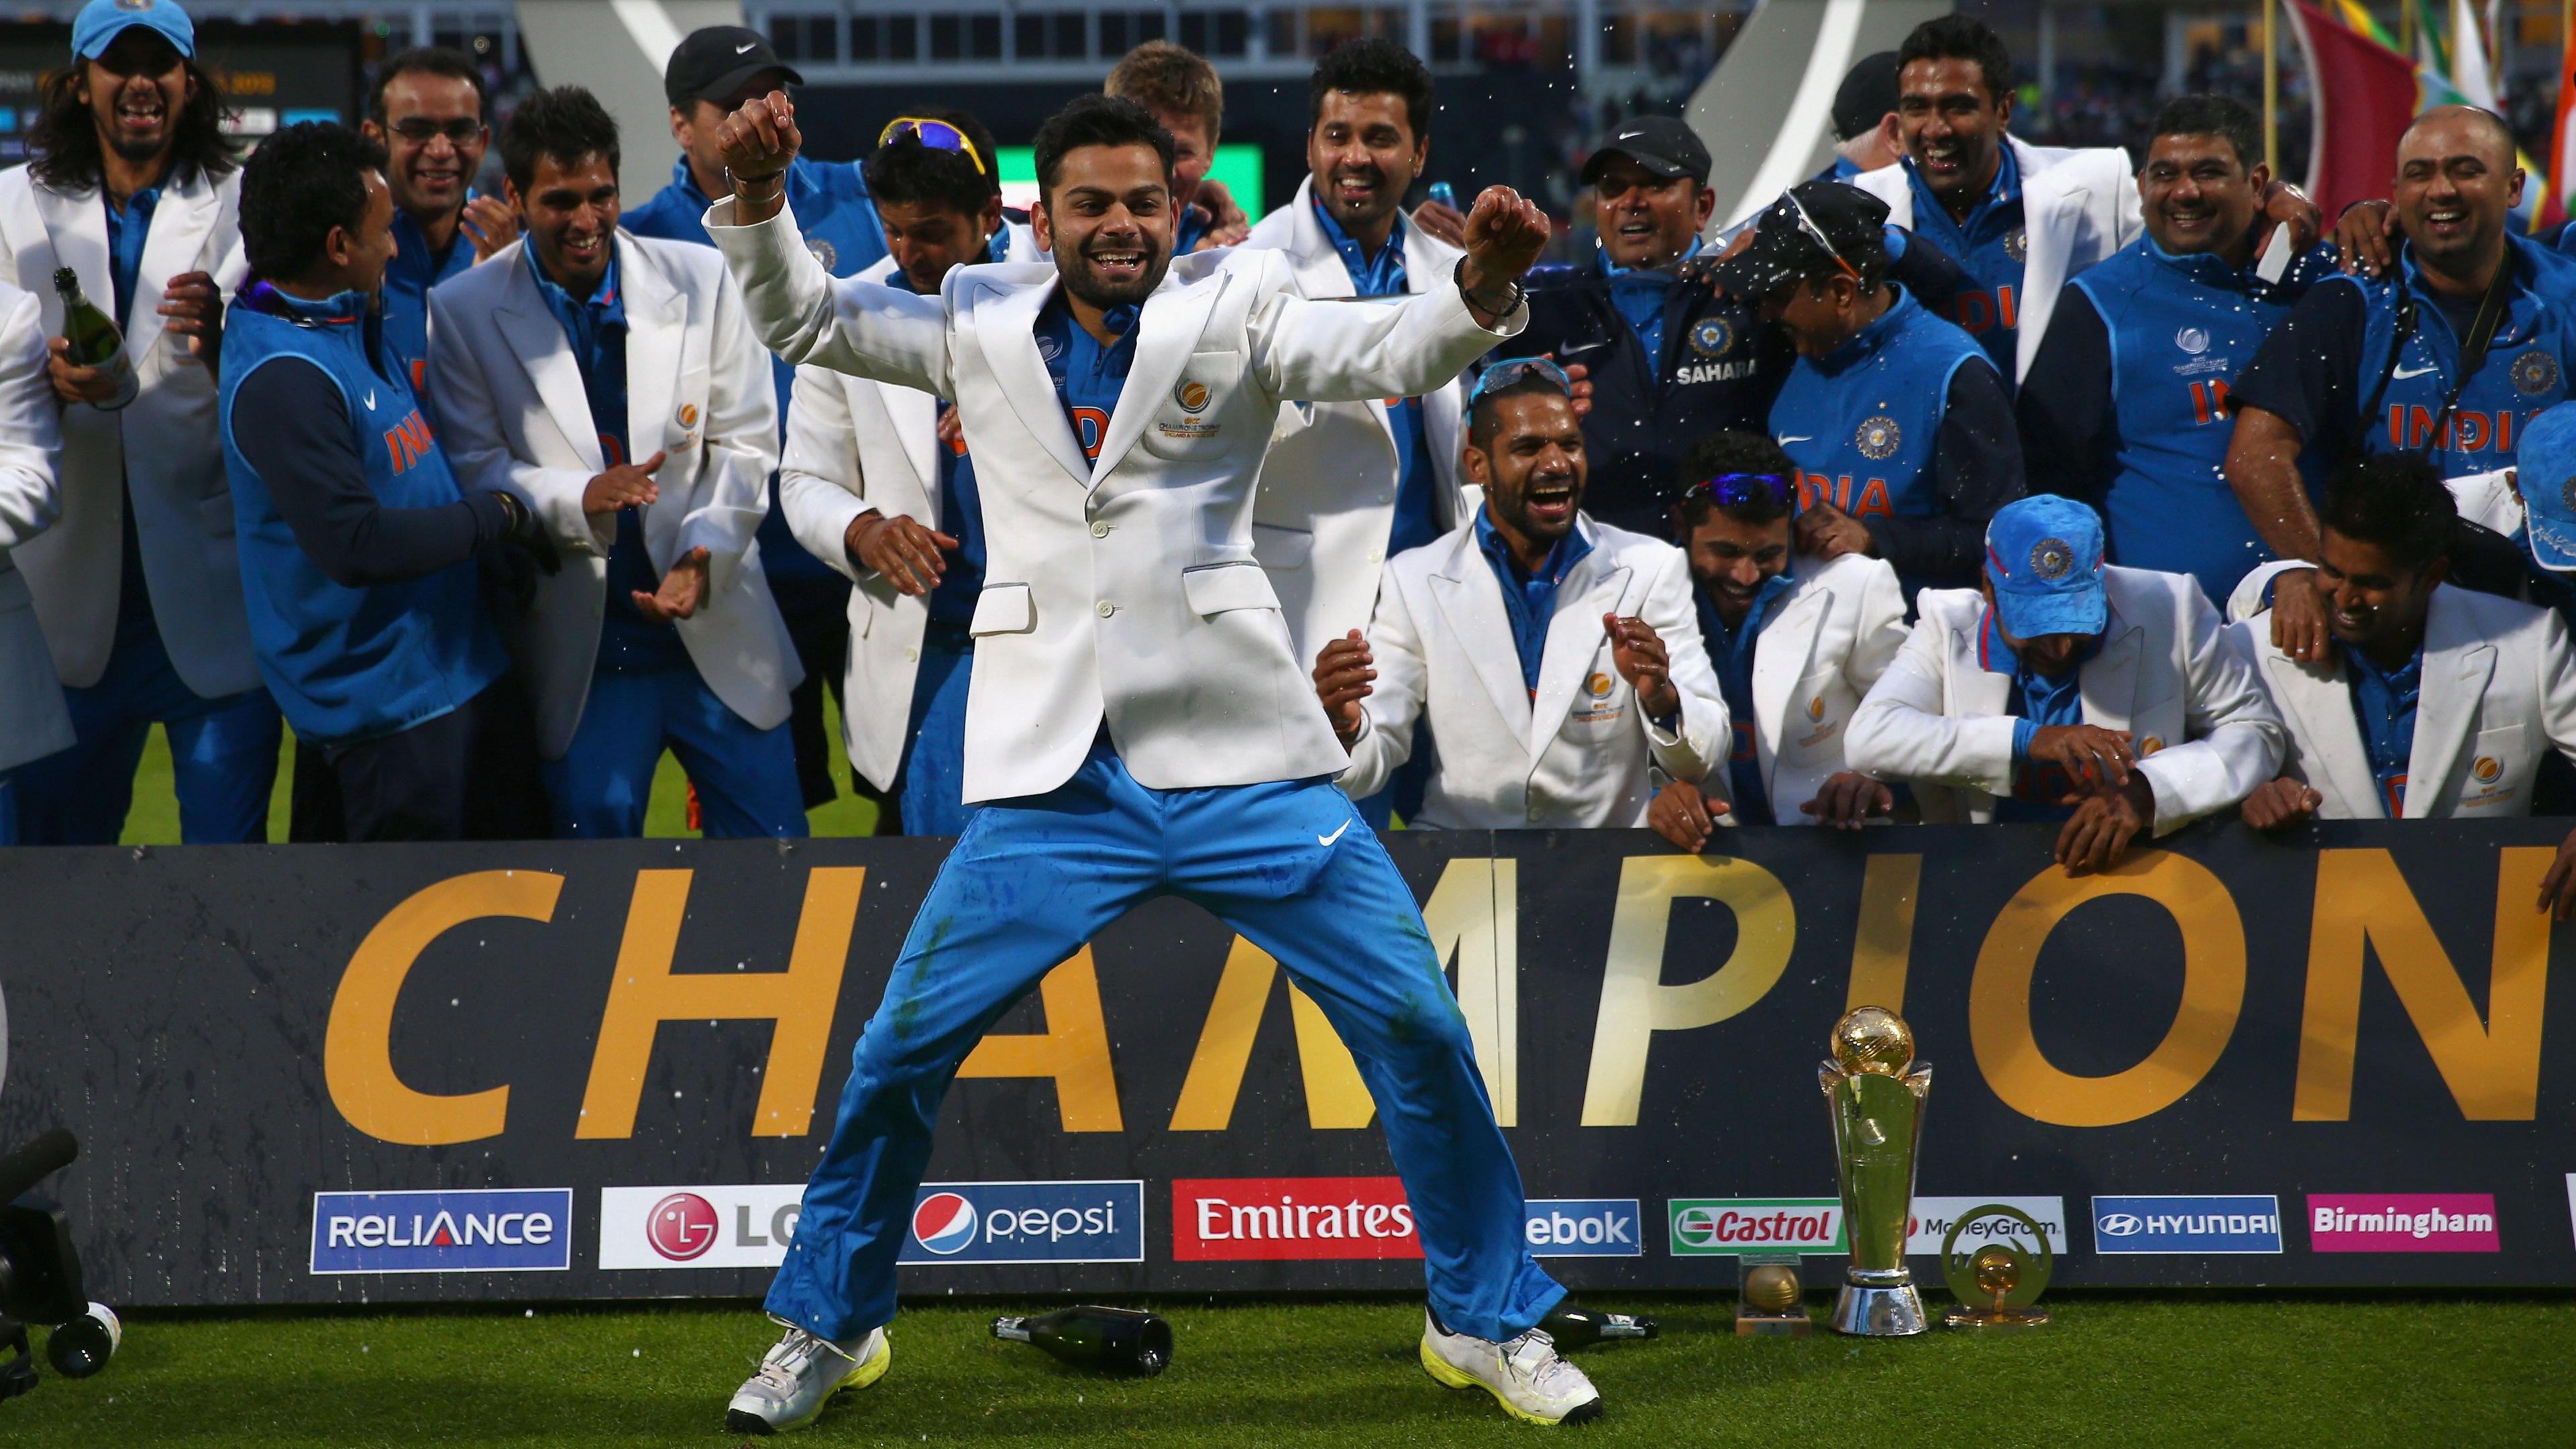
column 1342, row 674
column 2558, row 887
column 1685, row 815
column 2280, row 802
column 2095, row 758
column 1848, row 799
column 2103, row 825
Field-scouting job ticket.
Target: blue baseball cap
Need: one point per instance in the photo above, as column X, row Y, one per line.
column 101, row 21
column 2044, row 558
column 2545, row 473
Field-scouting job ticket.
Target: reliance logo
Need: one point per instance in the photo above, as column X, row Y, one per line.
column 2402, row 1222
column 1216, row 1219
column 506, row 1230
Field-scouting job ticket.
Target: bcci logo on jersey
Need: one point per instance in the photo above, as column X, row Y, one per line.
column 1711, row 337
column 1878, row 438
column 2535, row 372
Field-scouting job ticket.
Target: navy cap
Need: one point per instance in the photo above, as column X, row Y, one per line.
column 711, row 64
column 101, row 21
column 2545, row 473
column 1867, row 94
column 1812, row 226
column 1665, row 145
column 2044, row 558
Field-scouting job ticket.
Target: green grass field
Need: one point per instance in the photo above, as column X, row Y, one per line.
column 2122, row 1370
column 154, row 820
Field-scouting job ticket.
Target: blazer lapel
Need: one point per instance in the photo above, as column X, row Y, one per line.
column 1167, row 330
column 179, row 226
column 2332, row 754
column 1574, row 637
column 1973, row 688
column 1470, row 600
column 2109, row 680
column 537, row 340
column 654, row 317
column 915, row 416
column 76, row 224
column 1780, row 660
column 1003, row 319
column 2454, row 679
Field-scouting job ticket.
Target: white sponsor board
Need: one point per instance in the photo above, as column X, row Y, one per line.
column 742, row 1226
column 1934, row 1215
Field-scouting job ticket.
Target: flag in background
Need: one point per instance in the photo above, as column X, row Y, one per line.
column 2363, row 98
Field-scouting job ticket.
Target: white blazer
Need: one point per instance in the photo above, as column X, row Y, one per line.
column 1575, row 756
column 1826, row 645
column 513, row 416
column 1327, row 498
column 2498, row 691
column 2078, row 207
column 33, row 722
column 183, row 507
column 1123, row 589
column 2203, row 728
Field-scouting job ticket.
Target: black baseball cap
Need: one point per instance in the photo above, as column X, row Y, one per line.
column 715, row 62
column 1807, row 229
column 1663, row 145
column 1867, row 94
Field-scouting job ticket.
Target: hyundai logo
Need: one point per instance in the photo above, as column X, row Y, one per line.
column 2118, row 1225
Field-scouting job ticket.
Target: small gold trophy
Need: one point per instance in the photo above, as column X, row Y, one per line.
column 1877, row 1090
column 1997, row 1283
column 1769, row 1301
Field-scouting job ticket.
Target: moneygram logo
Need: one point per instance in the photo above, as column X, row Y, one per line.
column 2402, row 1222
column 1930, row 1221
column 683, row 1226
column 1027, row 1222
column 2184, row 1224
column 500, row 1230
column 745, row 1225
column 1585, row 1227
column 1217, row 1219
column 1705, row 1227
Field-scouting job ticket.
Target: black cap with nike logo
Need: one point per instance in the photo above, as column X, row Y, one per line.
column 715, row 62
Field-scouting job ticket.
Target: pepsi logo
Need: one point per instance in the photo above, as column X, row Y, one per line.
column 944, row 1223
column 681, row 1226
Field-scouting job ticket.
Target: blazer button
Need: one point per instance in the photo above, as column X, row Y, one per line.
column 1100, row 530
column 912, row 656
column 1104, row 608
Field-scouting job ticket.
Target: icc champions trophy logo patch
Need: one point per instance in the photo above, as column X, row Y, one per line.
column 1711, row 337
column 2194, row 340
column 2050, row 558
column 1878, row 438
column 2535, row 372
column 1192, row 396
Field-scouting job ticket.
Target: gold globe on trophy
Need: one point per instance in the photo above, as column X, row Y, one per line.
column 1877, row 1091
column 1875, row 1040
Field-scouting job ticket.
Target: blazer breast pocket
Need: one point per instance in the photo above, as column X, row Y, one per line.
column 2497, row 765
column 1812, row 730
column 687, row 422
column 1196, row 419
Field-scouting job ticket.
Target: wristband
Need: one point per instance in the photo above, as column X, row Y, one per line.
column 1458, row 276
column 757, row 192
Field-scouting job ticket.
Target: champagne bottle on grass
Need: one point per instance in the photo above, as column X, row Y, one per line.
column 1111, row 1340
column 95, row 340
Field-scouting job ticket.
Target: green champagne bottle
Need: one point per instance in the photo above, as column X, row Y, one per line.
column 94, row 339
column 1574, row 1326
column 1110, row 1340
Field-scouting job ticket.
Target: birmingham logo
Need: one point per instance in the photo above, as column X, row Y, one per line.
column 2017, row 244
column 2535, row 372
column 2194, row 340
column 1711, row 337
column 2050, row 558
column 1878, row 438
column 944, row 1223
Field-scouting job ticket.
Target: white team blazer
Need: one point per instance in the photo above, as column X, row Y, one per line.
column 2203, row 728
column 2498, row 692
column 183, row 506
column 33, row 722
column 513, row 416
column 1575, row 756
column 1327, row 496
column 1827, row 643
column 855, row 446
column 2078, row 207
column 1123, row 589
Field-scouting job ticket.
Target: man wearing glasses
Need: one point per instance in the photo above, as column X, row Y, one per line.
column 1556, row 657
column 1900, row 427
column 713, row 71
column 1794, row 653
column 429, row 115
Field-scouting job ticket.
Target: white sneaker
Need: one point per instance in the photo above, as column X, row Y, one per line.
column 1525, row 1376
column 799, row 1376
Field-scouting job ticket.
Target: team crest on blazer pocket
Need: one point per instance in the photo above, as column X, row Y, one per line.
column 1595, row 705
column 1191, row 420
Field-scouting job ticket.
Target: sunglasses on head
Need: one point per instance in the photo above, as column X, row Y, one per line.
column 1729, row 490
column 937, row 135
column 1506, row 374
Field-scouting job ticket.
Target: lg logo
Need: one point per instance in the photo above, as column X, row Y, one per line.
column 682, row 1226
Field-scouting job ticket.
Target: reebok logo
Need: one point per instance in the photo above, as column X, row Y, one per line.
column 1585, row 1227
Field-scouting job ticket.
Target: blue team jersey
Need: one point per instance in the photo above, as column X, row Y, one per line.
column 1862, row 425
column 2180, row 328
column 2524, row 372
column 1989, row 246
column 415, row 269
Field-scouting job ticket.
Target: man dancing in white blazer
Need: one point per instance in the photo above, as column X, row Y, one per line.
column 1138, row 724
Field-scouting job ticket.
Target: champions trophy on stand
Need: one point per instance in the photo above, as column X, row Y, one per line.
column 1877, row 1090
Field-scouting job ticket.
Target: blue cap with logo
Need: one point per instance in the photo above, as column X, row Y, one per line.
column 101, row 21
column 2044, row 558
column 2545, row 474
